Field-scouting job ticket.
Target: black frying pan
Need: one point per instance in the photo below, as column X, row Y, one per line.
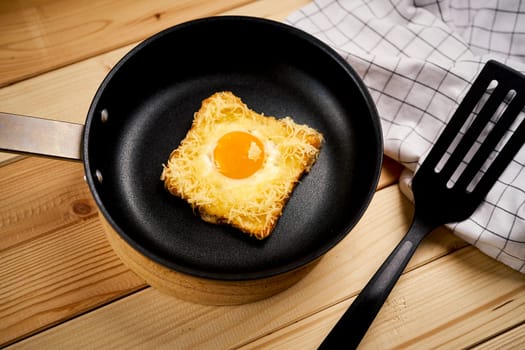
column 145, row 106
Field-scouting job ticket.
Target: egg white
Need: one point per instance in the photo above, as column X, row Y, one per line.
column 254, row 203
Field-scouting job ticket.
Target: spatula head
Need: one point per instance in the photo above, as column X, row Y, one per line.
column 463, row 166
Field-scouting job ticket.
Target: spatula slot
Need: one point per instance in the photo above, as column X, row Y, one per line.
column 502, row 135
column 484, row 136
column 465, row 126
column 464, row 152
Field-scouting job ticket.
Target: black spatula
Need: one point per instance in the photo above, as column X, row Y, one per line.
column 446, row 188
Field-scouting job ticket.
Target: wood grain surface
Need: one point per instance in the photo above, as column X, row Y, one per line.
column 70, row 31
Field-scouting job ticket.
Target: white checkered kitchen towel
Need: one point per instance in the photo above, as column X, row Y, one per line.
column 418, row 59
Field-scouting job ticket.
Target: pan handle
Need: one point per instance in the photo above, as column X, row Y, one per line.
column 24, row 134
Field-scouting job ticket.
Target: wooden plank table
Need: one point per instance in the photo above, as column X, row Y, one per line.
column 62, row 286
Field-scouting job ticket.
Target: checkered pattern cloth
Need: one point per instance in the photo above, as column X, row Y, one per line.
column 418, row 59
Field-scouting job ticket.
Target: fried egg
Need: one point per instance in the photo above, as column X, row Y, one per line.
column 238, row 167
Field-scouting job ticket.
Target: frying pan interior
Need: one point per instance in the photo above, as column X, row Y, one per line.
column 150, row 97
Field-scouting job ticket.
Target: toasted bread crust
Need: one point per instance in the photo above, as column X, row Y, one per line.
column 258, row 222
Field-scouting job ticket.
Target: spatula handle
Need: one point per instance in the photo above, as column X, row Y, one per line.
column 351, row 328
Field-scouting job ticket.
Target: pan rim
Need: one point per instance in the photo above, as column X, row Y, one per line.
column 92, row 181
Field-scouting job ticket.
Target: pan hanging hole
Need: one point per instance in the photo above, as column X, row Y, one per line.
column 104, row 115
column 98, row 176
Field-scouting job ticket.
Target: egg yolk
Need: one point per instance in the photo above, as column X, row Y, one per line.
column 238, row 154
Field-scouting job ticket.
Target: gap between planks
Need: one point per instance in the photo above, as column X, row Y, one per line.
column 171, row 319
column 49, row 35
column 457, row 316
column 66, row 92
column 74, row 32
column 512, row 338
column 46, row 208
